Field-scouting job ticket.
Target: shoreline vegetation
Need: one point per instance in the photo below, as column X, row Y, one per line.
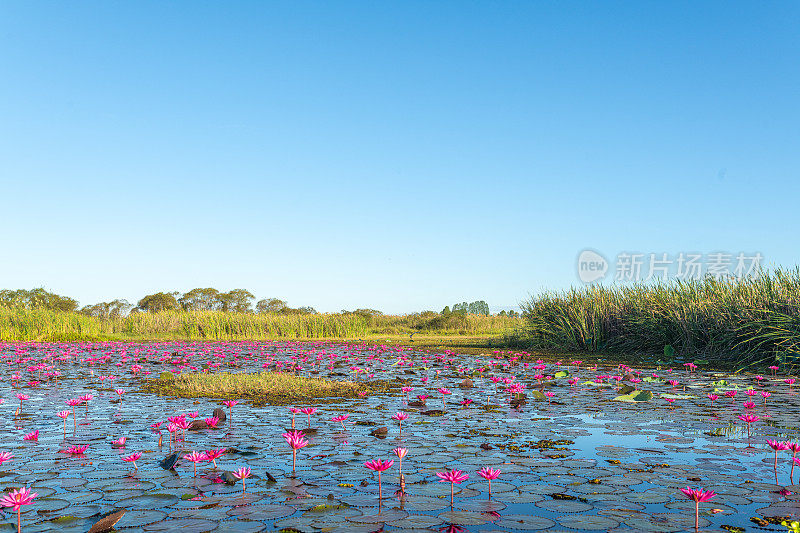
column 21, row 325
column 727, row 323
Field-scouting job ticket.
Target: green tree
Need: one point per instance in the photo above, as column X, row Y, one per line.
column 207, row 299
column 478, row 307
column 37, row 299
column 112, row 309
column 160, row 301
column 270, row 305
column 446, row 310
column 237, row 301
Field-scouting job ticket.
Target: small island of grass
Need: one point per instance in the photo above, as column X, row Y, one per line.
column 275, row 388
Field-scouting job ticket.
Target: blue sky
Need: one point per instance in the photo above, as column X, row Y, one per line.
column 395, row 155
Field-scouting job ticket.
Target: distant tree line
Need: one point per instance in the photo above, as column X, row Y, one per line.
column 478, row 307
column 208, row 299
column 36, row 299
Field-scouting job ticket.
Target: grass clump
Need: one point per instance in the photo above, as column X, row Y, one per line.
column 275, row 388
column 725, row 321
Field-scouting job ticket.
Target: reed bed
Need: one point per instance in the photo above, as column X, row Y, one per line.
column 44, row 325
column 736, row 321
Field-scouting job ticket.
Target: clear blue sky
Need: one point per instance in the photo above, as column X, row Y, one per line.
column 395, row 155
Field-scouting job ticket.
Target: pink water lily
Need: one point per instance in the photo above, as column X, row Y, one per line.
column 400, row 416
column 242, row 473
column 296, row 440
column 308, row 411
column 213, row 455
column 489, row 474
column 341, row 419
column 76, row 450
column 379, row 466
column 132, row 458
column 16, row 499
column 453, row 477
column 697, row 496
column 194, row 458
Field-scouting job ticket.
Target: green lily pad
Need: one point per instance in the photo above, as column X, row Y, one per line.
column 635, row 396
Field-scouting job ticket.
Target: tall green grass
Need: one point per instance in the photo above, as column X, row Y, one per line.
column 42, row 325
column 734, row 321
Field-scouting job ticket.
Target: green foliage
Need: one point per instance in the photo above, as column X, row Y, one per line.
column 160, row 301
column 113, row 309
column 473, row 308
column 36, row 299
column 635, row 396
column 271, row 305
column 236, row 301
column 37, row 324
column 200, row 300
column 728, row 321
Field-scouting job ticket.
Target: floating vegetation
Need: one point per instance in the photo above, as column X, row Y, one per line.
column 275, row 388
column 205, row 460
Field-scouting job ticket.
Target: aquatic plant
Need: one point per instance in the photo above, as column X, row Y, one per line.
column 296, row 441
column 308, row 411
column 748, row 419
column 379, row 466
column 400, row 453
column 213, row 455
column 229, row 404
column 74, row 402
column 489, row 474
column 737, row 322
column 340, row 419
column 793, row 447
column 697, row 496
column 16, row 499
column 194, row 458
column 64, row 415
column 776, row 447
column 400, row 416
column 278, row 388
column 453, row 477
column 132, row 458
column 243, row 473
column 76, row 450
column 21, row 324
